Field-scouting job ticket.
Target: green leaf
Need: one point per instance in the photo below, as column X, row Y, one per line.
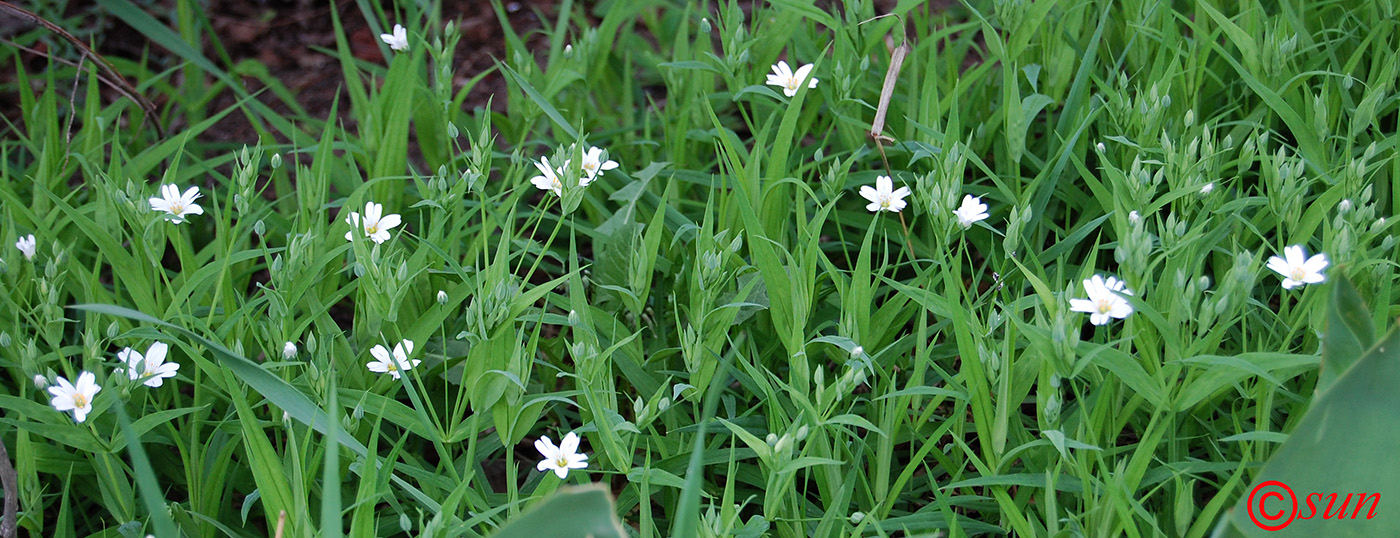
column 1344, row 444
column 571, row 512
column 1349, row 333
column 540, row 100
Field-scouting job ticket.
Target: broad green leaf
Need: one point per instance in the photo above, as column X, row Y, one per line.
column 1344, row 444
column 1349, row 332
column 571, row 512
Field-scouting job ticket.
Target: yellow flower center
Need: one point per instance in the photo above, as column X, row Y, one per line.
column 792, row 83
column 1299, row 274
column 562, row 462
column 393, row 367
column 1105, row 306
column 372, row 229
column 80, row 400
column 176, row 208
column 590, row 166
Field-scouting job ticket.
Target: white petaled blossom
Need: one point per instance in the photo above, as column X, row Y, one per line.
column 1209, row 187
column 789, row 80
column 1133, row 217
column 442, row 297
column 176, row 204
column 883, row 196
column 376, row 223
column 151, row 369
column 76, row 398
column 1105, row 300
column 549, row 178
column 562, row 458
column 397, row 40
column 1344, row 206
column 392, row 363
column 971, row 210
column 289, row 351
column 27, row 246
column 594, row 165
column 1298, row 269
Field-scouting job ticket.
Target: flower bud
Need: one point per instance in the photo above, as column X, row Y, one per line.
column 1052, row 409
column 442, row 297
column 783, row 445
column 574, row 319
column 40, row 382
column 289, row 351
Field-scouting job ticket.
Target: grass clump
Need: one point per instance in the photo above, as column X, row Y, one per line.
column 693, row 267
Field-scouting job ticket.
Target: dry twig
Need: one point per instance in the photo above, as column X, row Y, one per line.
column 108, row 74
column 9, row 481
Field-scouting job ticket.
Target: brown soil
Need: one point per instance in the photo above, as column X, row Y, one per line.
column 283, row 35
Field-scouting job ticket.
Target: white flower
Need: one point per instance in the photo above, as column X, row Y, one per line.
column 1344, row 206
column 560, row 458
column 78, row 399
column 442, row 297
column 376, row 223
column 549, row 178
column 594, row 165
column 1104, row 301
column 40, row 382
column 1209, row 187
column 176, row 204
column 1297, row 269
column 971, row 210
column 397, row 40
column 784, row 76
column 857, row 351
column 1133, row 217
column 27, row 246
column 289, row 351
column 151, row 369
column 884, row 197
column 392, row 364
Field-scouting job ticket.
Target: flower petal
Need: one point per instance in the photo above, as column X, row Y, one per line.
column 546, row 447
column 569, row 444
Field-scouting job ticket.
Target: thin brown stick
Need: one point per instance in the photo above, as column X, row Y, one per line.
column 877, row 126
column 72, row 115
column 281, row 523
column 9, row 480
column 113, row 78
column 70, row 63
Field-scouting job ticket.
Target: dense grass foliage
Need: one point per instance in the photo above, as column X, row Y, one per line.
column 738, row 344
